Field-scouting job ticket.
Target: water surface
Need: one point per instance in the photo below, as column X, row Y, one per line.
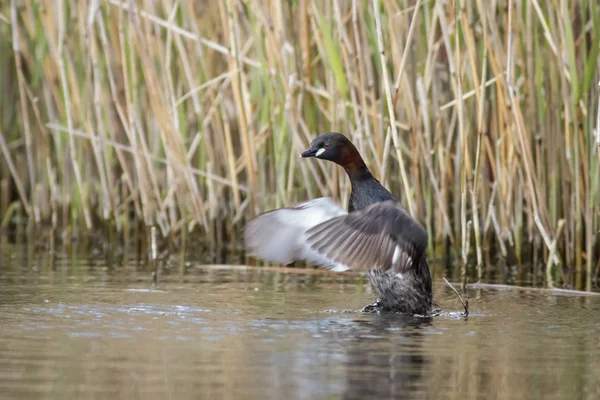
column 78, row 328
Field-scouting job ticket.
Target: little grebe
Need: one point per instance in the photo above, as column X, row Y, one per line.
column 376, row 235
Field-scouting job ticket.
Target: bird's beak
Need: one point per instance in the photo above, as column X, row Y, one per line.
column 310, row 152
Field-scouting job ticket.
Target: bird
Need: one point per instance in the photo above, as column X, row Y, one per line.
column 375, row 235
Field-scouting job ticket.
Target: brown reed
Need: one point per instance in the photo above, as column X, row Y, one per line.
column 483, row 116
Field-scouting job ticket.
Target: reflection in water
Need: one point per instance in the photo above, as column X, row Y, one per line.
column 386, row 359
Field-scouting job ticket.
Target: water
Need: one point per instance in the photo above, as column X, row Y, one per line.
column 81, row 329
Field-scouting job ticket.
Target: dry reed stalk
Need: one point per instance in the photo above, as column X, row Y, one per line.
column 100, row 158
column 464, row 303
column 463, row 151
column 363, row 124
column 390, row 107
column 237, row 85
column 116, row 103
column 14, row 174
column 4, row 195
column 73, row 153
column 54, row 196
column 549, row 280
column 409, row 41
column 591, row 201
column 23, row 104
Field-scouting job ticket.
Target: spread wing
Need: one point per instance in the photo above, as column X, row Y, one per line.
column 382, row 235
column 280, row 235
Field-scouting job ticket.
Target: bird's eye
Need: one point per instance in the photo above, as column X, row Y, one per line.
column 326, row 145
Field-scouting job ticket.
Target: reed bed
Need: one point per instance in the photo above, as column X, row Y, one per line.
column 482, row 116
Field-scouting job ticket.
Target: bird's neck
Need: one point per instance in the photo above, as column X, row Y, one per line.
column 358, row 173
column 353, row 163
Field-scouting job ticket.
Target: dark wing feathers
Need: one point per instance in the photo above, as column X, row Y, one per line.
column 382, row 235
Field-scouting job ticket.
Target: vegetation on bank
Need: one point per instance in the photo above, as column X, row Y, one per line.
column 480, row 115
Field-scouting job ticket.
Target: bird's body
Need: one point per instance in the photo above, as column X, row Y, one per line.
column 376, row 235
